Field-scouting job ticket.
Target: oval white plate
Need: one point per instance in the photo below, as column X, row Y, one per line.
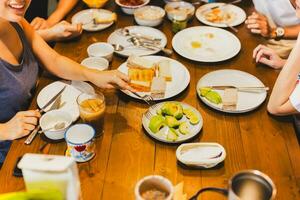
column 239, row 14
column 85, row 17
column 246, row 101
column 180, row 77
column 212, row 49
column 117, row 38
column 162, row 134
column 69, row 96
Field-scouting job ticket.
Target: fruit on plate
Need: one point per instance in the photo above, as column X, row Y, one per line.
column 193, row 117
column 184, row 128
column 172, row 135
column 172, row 122
column 194, row 120
column 156, row 123
column 172, row 109
column 210, row 95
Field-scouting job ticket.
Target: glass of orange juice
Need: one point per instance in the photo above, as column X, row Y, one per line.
column 92, row 109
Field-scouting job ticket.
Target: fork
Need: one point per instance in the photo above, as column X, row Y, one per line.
column 149, row 114
column 147, row 98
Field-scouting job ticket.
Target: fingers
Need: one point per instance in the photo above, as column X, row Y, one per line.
column 265, row 61
column 123, row 76
column 39, row 23
column 31, row 113
column 256, row 31
column 257, row 49
column 28, row 127
column 30, row 120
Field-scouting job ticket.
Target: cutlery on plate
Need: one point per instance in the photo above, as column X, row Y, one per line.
column 126, row 32
column 245, row 89
column 56, row 103
column 231, row 27
column 147, row 98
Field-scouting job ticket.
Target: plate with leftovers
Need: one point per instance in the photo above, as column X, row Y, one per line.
column 172, row 122
column 158, row 76
column 240, row 92
column 68, row 97
column 206, row 44
column 150, row 36
column 220, row 15
column 94, row 19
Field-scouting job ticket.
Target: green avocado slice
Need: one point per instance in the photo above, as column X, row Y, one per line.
column 172, row 135
column 172, row 122
column 204, row 91
column 156, row 123
column 213, row 97
column 184, row 128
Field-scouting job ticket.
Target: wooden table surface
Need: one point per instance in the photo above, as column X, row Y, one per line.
column 125, row 153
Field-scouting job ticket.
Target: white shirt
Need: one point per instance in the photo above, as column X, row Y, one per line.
column 295, row 98
column 279, row 12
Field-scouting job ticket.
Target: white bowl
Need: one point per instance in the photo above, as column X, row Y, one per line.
column 98, row 63
column 49, row 119
column 154, row 180
column 205, row 155
column 129, row 10
column 149, row 15
column 172, row 5
column 101, row 49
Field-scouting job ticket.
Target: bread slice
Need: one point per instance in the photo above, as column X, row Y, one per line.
column 158, row 87
column 141, row 73
column 104, row 18
column 164, row 70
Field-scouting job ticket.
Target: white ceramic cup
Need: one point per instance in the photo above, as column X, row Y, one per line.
column 153, row 181
column 98, row 63
column 101, row 49
column 50, row 119
column 80, row 141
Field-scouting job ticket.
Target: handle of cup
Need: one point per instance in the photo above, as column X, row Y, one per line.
column 213, row 189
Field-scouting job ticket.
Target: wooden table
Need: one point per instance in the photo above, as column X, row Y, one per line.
column 125, row 153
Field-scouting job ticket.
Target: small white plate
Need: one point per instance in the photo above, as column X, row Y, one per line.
column 200, row 157
column 69, row 96
column 180, row 77
column 117, row 38
column 239, row 15
column 212, row 43
column 162, row 134
column 85, row 17
column 246, row 101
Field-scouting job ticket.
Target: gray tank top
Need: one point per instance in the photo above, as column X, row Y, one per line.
column 17, row 82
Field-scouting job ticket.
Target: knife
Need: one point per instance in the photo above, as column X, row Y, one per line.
column 54, row 106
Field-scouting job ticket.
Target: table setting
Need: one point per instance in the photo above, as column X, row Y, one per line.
column 197, row 121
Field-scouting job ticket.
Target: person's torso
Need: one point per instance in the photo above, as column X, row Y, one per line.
column 280, row 12
column 17, row 81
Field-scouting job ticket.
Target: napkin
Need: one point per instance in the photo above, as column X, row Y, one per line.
column 230, row 99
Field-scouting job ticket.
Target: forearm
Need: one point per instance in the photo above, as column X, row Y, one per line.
column 46, row 35
column 285, row 84
column 63, row 8
column 3, row 135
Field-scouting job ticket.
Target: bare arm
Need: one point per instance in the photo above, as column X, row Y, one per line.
column 63, row 8
column 279, row 103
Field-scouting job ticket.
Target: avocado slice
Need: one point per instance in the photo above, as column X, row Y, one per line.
column 204, row 91
column 184, row 128
column 213, row 97
column 179, row 112
column 172, row 135
column 172, row 122
column 188, row 113
column 168, row 109
column 156, row 123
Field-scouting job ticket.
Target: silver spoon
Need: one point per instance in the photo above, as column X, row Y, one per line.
column 137, row 42
column 126, row 32
column 57, row 126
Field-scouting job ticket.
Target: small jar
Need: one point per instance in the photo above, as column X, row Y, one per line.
column 179, row 22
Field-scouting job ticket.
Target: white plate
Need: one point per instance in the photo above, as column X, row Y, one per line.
column 246, row 101
column 69, row 96
column 239, row 15
column 117, row 38
column 162, row 134
column 180, row 77
column 85, row 17
column 212, row 41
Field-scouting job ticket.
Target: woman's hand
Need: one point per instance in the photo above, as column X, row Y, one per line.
column 39, row 23
column 258, row 24
column 110, row 79
column 20, row 125
column 267, row 56
column 61, row 31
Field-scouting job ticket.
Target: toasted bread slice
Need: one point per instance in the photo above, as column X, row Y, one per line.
column 158, row 87
column 164, row 70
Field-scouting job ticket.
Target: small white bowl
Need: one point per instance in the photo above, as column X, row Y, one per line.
column 177, row 4
column 129, row 10
column 101, row 49
column 200, row 157
column 151, row 181
column 51, row 118
column 98, row 63
column 149, row 15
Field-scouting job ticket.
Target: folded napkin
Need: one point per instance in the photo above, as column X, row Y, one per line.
column 281, row 47
column 230, row 99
